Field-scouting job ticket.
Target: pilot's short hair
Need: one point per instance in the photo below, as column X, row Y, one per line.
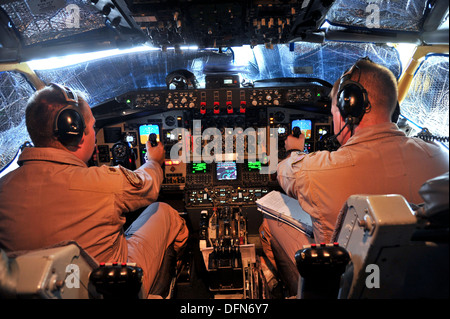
column 380, row 83
column 40, row 114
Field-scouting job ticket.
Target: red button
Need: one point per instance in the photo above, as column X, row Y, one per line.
column 216, row 108
column 202, row 107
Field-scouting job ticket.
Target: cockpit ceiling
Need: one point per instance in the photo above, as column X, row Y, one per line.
column 42, row 29
column 55, row 21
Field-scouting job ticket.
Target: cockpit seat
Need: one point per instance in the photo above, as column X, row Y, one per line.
column 433, row 214
column 57, row 272
column 397, row 249
column 67, row 271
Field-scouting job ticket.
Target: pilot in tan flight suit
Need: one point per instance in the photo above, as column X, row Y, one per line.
column 54, row 196
column 375, row 158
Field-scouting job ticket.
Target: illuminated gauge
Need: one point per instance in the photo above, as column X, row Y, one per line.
column 119, row 151
column 322, row 131
column 131, row 138
column 308, row 94
column 283, row 130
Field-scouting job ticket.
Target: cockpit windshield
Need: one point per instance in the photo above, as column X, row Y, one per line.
column 104, row 78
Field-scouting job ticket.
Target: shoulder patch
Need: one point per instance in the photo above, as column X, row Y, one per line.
column 298, row 158
column 112, row 170
column 133, row 178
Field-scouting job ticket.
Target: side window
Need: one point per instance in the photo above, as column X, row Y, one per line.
column 14, row 94
column 427, row 103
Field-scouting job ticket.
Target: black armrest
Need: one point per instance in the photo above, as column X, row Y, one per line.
column 117, row 280
column 321, row 267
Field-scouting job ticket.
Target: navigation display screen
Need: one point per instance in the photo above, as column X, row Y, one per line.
column 305, row 127
column 146, row 130
column 226, row 171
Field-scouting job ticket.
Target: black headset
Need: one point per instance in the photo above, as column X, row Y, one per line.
column 353, row 101
column 69, row 123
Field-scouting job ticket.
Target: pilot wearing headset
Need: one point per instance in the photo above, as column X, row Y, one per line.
column 375, row 157
column 54, row 196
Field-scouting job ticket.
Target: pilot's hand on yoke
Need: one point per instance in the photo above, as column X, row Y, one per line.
column 295, row 143
column 156, row 153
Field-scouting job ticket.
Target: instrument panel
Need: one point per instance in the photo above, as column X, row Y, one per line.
column 222, row 144
column 229, row 99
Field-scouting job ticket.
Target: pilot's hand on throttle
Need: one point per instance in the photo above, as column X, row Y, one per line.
column 156, row 153
column 295, row 143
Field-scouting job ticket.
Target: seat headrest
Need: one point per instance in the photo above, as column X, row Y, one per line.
column 435, row 194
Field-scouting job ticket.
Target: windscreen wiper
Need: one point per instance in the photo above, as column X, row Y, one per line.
column 295, row 80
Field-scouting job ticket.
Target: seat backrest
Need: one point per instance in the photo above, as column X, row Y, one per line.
column 8, row 276
column 386, row 259
column 58, row 272
column 435, row 193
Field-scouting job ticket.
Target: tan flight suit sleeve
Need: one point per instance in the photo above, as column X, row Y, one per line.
column 286, row 173
column 290, row 174
column 139, row 187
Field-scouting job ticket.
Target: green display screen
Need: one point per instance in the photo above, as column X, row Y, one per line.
column 199, row 168
column 254, row 166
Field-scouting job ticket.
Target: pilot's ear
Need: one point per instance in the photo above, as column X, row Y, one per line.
column 82, row 140
column 75, row 148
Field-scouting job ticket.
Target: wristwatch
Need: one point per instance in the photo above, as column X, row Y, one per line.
column 295, row 150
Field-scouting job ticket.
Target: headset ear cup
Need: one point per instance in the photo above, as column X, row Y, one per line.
column 352, row 102
column 69, row 126
column 396, row 113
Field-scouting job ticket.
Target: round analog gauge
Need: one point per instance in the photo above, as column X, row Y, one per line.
column 170, row 121
column 283, row 130
column 119, row 151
